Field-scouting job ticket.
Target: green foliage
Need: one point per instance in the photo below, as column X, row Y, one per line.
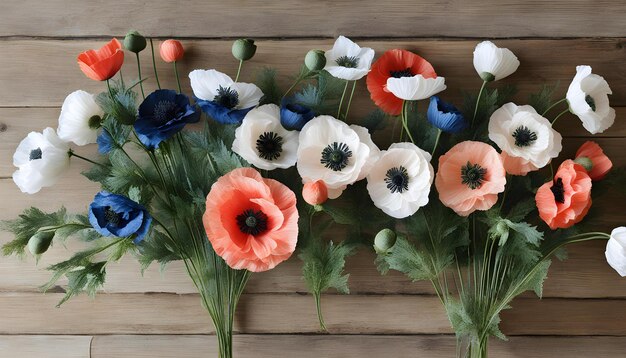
column 88, row 278
column 405, row 258
column 490, row 100
column 542, row 100
column 323, row 97
column 156, row 247
column 324, row 265
column 119, row 103
column 375, row 120
column 266, row 80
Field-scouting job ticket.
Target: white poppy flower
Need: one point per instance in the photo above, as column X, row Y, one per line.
column 347, row 61
column 41, row 159
column 415, row 88
column 366, row 138
column 588, row 99
column 525, row 136
column 212, row 85
column 400, row 181
column 332, row 152
column 80, row 118
column 263, row 142
column 494, row 63
column 616, row 250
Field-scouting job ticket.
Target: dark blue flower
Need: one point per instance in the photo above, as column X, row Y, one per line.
column 294, row 116
column 116, row 215
column 161, row 115
column 445, row 116
column 222, row 114
column 105, row 142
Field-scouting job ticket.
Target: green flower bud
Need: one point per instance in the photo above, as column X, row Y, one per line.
column 501, row 229
column 244, row 49
column 134, row 42
column 487, row 77
column 40, row 242
column 585, row 162
column 384, row 240
column 315, row 60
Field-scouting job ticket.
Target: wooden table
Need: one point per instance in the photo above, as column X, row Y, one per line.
column 583, row 313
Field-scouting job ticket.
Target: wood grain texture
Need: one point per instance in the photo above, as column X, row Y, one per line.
column 52, row 73
column 36, row 346
column 298, row 18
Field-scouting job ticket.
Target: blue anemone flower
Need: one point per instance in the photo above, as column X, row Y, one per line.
column 222, row 114
column 294, row 116
column 161, row 115
column 445, row 116
column 105, row 142
column 116, row 215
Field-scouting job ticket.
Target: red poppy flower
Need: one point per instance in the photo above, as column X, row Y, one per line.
column 395, row 63
column 600, row 163
column 102, row 64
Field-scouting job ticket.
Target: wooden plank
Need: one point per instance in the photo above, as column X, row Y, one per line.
column 293, row 313
column 335, row 346
column 46, row 78
column 400, row 18
column 45, row 346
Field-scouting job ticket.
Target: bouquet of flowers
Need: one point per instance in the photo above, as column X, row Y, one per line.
column 234, row 179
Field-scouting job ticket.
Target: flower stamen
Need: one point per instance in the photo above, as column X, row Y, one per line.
column 269, row 146
column 164, row 111
column 397, row 179
column 252, row 222
column 524, row 136
column 227, row 97
column 348, row 61
column 558, row 190
column 113, row 218
column 473, row 175
column 35, row 154
column 401, row 73
column 591, row 102
column 336, row 156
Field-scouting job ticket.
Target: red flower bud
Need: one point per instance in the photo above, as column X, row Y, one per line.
column 171, row 50
column 315, row 193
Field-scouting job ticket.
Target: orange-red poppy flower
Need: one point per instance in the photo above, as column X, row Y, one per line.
column 171, row 50
column 252, row 222
column 102, row 64
column 395, row 63
column 565, row 200
column 600, row 163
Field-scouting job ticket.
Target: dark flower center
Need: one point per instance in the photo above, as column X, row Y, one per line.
column 164, row 111
column 94, row 122
column 401, row 73
column 558, row 190
column 473, row 175
column 35, row 154
column 397, row 179
column 336, row 156
column 269, row 145
column 591, row 102
column 348, row 61
column 113, row 218
column 252, row 222
column 524, row 136
column 227, row 97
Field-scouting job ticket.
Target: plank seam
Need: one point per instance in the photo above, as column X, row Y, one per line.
column 433, row 37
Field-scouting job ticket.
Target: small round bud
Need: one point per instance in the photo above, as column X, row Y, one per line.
column 315, row 193
column 585, row 162
column 244, row 49
column 95, row 122
column 384, row 240
column 315, row 60
column 40, row 242
column 171, row 50
column 501, row 228
column 134, row 42
column 487, row 77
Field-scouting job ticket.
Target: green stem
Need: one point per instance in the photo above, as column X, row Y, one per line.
column 559, row 115
column 72, row 154
column 110, row 90
column 405, row 120
column 139, row 73
column 350, row 100
column 156, row 75
column 318, row 305
column 345, row 89
column 436, row 143
column 480, row 93
column 177, row 78
column 239, row 70
column 552, row 106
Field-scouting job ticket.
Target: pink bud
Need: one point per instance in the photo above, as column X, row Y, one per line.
column 171, row 50
column 315, row 193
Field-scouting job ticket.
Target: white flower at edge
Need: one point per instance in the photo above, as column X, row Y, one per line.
column 207, row 84
column 400, row 181
column 347, row 61
column 525, row 135
column 616, row 250
column 263, row 142
column 494, row 63
column 588, row 99
column 332, row 152
column 41, row 159
column 415, row 88
column 366, row 138
column 80, row 118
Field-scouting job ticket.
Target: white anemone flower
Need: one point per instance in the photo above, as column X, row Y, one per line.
column 366, row 138
column 263, row 142
column 212, row 85
column 415, row 88
column 588, row 99
column 616, row 250
column 332, row 152
column 527, row 139
column 41, row 159
column 347, row 61
column 494, row 63
column 400, row 181
column 80, row 118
